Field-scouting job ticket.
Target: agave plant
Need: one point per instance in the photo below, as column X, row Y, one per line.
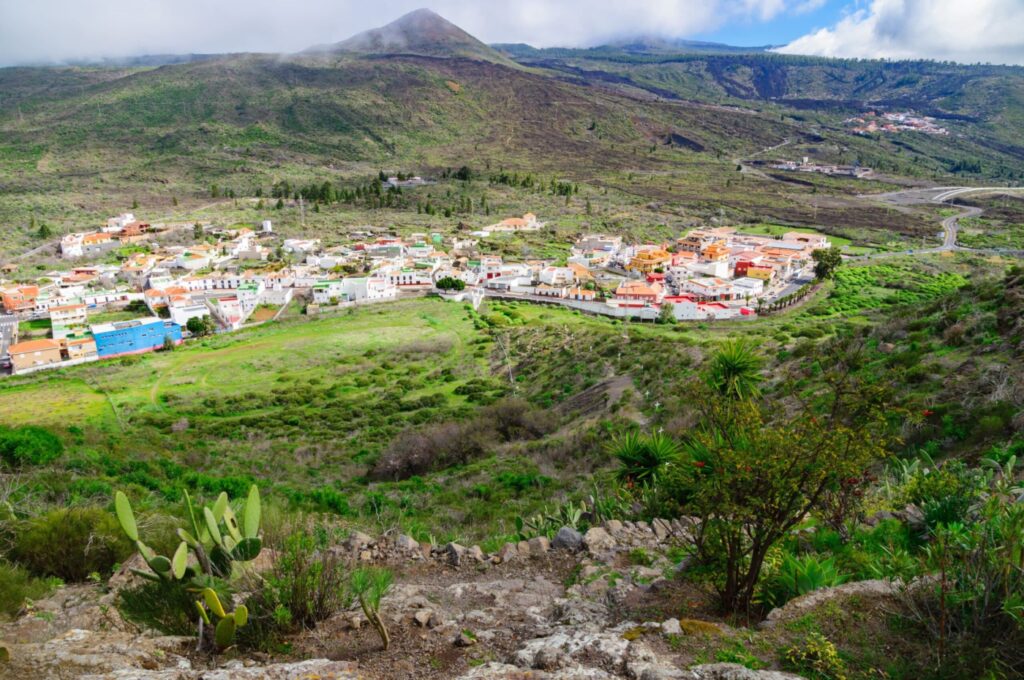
column 798, row 575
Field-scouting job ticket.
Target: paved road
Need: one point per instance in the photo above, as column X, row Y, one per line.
column 950, row 225
column 747, row 169
column 791, row 287
column 38, row 249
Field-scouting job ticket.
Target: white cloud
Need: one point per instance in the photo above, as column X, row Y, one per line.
column 39, row 30
column 955, row 30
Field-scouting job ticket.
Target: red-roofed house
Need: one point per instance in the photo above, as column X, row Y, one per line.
column 639, row 292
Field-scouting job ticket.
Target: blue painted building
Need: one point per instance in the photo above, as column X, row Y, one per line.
column 134, row 337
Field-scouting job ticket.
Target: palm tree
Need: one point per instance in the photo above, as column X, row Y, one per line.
column 734, row 371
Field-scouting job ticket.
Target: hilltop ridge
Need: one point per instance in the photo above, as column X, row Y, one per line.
column 422, row 33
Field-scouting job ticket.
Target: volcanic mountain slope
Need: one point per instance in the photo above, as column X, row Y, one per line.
column 423, row 92
column 455, row 105
column 422, row 33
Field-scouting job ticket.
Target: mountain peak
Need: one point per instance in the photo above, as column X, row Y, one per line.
column 421, row 32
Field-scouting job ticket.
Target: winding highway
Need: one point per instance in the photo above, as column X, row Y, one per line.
column 950, row 225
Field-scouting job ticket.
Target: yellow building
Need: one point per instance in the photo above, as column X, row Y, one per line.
column 763, row 273
column 646, row 261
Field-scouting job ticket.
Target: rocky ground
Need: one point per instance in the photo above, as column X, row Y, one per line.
column 599, row 606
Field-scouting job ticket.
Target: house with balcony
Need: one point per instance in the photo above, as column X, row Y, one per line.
column 649, row 259
column 70, row 319
column 19, row 298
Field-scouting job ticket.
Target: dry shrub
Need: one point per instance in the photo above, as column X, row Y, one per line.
column 437, row 446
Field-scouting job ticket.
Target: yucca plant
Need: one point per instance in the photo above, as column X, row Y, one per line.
column 370, row 585
column 642, row 459
column 734, row 371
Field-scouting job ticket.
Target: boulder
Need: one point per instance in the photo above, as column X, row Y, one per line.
column 671, row 627
column 454, row 553
column 508, row 552
column 873, row 589
column 569, row 539
column 476, row 554
column 734, row 671
column 407, row 543
column 465, row 639
column 662, row 529
column 357, row 540
column 597, row 540
column 539, row 545
column 613, row 526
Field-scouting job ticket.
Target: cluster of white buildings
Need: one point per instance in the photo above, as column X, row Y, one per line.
column 805, row 165
column 710, row 273
column 905, row 121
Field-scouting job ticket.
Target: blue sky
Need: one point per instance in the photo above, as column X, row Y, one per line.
column 780, row 30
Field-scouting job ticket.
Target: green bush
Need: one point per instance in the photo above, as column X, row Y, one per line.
column 945, row 494
column 160, row 605
column 816, row 659
column 28, row 446
column 71, row 543
column 974, row 608
column 18, row 585
column 306, row 586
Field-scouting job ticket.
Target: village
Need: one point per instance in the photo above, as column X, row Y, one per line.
column 872, row 122
column 159, row 294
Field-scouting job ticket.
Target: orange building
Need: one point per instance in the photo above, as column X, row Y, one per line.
column 20, row 298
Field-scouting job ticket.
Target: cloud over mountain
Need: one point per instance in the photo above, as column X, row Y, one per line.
column 955, row 30
column 71, row 29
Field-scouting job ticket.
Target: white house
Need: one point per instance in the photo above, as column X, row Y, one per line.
column 301, row 246
column 747, row 287
column 337, row 291
column 370, row 288
column 181, row 312
column 557, row 276
column 229, row 311
column 117, row 224
column 527, row 222
column 708, row 288
column 408, row 276
column 717, row 269
column 191, row 261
